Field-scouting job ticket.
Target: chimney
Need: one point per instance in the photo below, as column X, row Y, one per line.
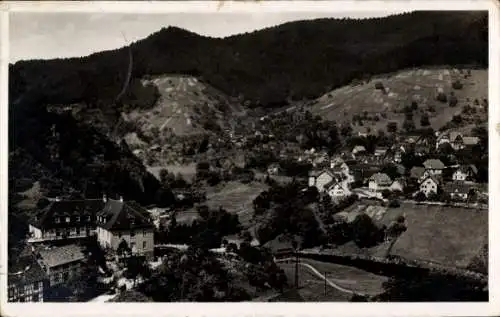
column 121, row 199
column 104, row 198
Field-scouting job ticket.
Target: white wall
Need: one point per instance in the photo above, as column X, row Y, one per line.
column 322, row 180
column 428, row 186
column 459, row 176
column 142, row 239
column 37, row 233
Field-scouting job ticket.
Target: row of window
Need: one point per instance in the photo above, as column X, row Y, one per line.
column 27, row 299
column 27, row 289
column 68, row 219
column 72, row 231
column 60, row 277
column 132, row 233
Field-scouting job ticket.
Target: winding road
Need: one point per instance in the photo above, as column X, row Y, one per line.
column 318, row 274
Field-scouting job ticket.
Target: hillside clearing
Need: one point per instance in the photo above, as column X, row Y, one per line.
column 447, row 235
column 236, row 198
column 401, row 88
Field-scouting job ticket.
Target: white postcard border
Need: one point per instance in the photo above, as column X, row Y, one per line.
column 262, row 309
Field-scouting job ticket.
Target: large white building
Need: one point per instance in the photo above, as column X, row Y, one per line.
column 126, row 221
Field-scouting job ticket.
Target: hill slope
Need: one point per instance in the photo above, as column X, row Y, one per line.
column 185, row 106
column 296, row 60
column 400, row 90
column 271, row 67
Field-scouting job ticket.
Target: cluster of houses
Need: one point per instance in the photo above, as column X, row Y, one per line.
column 357, row 173
column 54, row 252
column 343, row 177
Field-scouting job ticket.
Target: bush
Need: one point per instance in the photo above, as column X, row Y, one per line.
column 392, row 127
column 394, row 203
column 457, row 119
column 424, row 120
column 386, row 193
column 457, row 85
column 409, row 126
column 379, row 85
column 453, row 101
column 420, row 196
column 441, row 97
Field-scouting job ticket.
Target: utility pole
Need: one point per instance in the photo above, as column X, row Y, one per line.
column 325, row 282
column 296, row 269
column 296, row 250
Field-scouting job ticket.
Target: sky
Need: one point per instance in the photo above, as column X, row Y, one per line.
column 54, row 35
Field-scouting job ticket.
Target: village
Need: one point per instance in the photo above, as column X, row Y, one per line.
column 320, row 159
column 65, row 234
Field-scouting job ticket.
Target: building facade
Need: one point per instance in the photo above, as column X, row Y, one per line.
column 429, row 186
column 126, row 221
column 319, row 180
column 60, row 264
column 64, row 220
column 379, row 182
column 26, row 280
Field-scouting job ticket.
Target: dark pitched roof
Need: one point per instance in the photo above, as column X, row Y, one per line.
column 417, row 172
column 120, row 215
column 434, row 164
column 381, row 179
column 435, row 179
column 315, row 173
column 25, row 270
column 45, row 219
column 61, row 255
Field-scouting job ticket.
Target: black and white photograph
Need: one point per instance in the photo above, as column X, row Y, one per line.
column 270, row 156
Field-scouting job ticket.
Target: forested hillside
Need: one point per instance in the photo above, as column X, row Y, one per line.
column 268, row 67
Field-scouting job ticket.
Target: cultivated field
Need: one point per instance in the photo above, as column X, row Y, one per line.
column 236, row 198
column 447, row 235
column 402, row 88
column 183, row 101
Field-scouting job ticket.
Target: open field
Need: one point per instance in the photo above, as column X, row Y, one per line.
column 236, row 198
column 311, row 287
column 183, row 101
column 447, row 235
column 187, row 171
column 350, row 278
column 30, row 197
column 402, row 88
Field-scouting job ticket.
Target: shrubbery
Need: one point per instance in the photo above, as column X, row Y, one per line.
column 441, row 97
column 457, row 84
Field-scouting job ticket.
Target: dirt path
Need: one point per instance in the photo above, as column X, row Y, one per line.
column 321, row 276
